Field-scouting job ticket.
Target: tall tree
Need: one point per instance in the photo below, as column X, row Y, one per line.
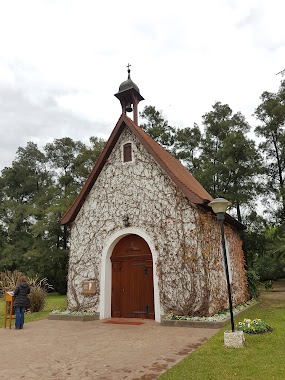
column 22, row 185
column 229, row 161
column 271, row 114
column 35, row 191
column 187, row 146
column 157, row 127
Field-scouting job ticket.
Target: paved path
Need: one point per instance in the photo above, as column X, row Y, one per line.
column 61, row 350
column 277, row 291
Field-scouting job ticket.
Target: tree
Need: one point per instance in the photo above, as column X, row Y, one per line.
column 87, row 157
column 157, row 127
column 229, row 162
column 271, row 113
column 187, row 146
column 22, row 186
column 35, row 192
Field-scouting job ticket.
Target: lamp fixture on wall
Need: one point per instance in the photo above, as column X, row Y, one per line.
column 126, row 221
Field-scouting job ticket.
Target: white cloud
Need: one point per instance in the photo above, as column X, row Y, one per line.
column 62, row 61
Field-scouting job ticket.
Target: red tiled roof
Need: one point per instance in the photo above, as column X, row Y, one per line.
column 190, row 187
column 193, row 190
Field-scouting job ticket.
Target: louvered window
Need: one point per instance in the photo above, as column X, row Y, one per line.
column 128, row 152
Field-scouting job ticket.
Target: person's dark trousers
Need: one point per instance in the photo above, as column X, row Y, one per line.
column 20, row 312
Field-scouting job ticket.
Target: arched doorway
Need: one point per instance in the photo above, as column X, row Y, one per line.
column 132, row 279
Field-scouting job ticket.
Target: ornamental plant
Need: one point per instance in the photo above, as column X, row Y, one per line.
column 220, row 315
column 253, row 326
column 39, row 288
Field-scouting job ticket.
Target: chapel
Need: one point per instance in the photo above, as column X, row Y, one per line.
column 144, row 241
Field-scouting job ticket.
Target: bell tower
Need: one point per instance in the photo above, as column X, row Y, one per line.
column 129, row 96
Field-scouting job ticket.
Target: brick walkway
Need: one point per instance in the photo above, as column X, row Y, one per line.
column 61, row 350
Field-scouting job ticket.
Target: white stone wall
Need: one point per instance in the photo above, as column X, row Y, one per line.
column 156, row 206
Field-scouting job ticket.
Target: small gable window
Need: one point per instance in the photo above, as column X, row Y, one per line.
column 127, row 152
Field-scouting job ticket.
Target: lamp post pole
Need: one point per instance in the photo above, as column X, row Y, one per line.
column 220, row 218
column 219, row 207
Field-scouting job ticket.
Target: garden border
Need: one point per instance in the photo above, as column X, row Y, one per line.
column 202, row 324
column 72, row 317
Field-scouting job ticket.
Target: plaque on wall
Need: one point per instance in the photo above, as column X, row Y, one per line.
column 89, row 287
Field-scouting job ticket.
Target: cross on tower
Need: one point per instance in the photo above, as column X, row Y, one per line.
column 129, row 71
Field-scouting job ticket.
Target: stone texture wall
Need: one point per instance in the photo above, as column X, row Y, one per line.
column 187, row 240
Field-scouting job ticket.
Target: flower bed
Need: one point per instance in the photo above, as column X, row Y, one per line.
column 68, row 315
column 215, row 321
column 253, row 326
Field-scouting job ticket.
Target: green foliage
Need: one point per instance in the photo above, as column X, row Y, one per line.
column 187, row 146
column 35, row 192
column 271, row 114
column 253, row 282
column 268, row 268
column 229, row 163
column 157, row 127
column 268, row 285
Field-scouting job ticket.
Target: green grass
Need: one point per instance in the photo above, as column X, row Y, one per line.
column 53, row 302
column 261, row 358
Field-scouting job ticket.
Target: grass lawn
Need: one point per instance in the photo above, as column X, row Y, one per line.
column 53, row 302
column 261, row 358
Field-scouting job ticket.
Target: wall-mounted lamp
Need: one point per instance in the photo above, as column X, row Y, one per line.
column 126, row 221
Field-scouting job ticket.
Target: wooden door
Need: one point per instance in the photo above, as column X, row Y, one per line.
column 132, row 279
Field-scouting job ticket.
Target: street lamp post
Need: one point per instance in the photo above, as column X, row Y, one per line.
column 219, row 206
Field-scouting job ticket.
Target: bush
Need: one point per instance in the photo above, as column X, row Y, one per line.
column 269, row 268
column 37, row 299
column 268, row 284
column 253, row 283
column 39, row 288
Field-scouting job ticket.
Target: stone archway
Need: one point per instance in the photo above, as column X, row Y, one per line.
column 132, row 279
column 106, row 271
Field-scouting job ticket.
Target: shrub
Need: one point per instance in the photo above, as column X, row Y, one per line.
column 39, row 288
column 37, row 299
column 268, row 284
column 252, row 283
column 269, row 268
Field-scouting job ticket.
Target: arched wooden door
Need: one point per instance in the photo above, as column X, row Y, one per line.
column 132, row 279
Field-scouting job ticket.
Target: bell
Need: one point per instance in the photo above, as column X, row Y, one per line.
column 129, row 107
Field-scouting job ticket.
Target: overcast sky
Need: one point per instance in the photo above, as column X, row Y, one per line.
column 61, row 62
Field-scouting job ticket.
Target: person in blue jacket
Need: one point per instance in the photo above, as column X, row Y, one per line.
column 21, row 301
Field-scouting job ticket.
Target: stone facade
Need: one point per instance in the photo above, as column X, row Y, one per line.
column 189, row 275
